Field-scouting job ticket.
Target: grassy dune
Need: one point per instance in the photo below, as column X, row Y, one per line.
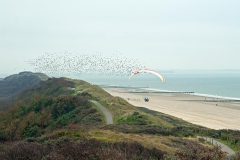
column 58, row 114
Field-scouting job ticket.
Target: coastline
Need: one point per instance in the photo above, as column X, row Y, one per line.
column 207, row 111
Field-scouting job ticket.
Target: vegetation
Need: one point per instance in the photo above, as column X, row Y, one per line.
column 105, row 144
column 46, row 114
column 134, row 119
column 67, row 149
column 57, row 115
column 12, row 86
column 198, row 152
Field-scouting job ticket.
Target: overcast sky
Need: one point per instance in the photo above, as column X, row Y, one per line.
column 163, row 34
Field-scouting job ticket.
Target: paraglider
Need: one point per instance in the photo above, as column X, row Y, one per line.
column 139, row 71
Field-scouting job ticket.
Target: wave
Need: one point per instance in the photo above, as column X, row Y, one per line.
column 144, row 89
column 216, row 96
column 192, row 93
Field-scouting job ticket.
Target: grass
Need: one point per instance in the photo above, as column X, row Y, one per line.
column 234, row 147
column 170, row 145
column 142, row 120
column 103, row 118
column 53, row 113
column 134, row 118
column 149, row 141
column 167, row 144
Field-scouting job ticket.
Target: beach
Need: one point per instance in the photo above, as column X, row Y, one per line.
column 209, row 112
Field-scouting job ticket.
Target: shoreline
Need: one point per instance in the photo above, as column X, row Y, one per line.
column 152, row 90
column 214, row 113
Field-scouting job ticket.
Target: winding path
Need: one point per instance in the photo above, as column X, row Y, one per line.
column 109, row 120
column 105, row 111
column 224, row 147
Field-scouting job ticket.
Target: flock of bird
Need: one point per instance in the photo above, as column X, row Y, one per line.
column 68, row 63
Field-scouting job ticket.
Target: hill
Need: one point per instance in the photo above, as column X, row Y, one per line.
column 59, row 119
column 13, row 85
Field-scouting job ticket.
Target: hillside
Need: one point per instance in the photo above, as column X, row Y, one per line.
column 59, row 114
column 13, row 85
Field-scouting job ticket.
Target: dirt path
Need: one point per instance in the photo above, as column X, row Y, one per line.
column 224, row 147
column 105, row 111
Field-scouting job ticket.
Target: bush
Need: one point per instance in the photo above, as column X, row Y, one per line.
column 135, row 119
column 84, row 150
column 42, row 103
column 193, row 150
column 66, row 104
column 3, row 136
column 65, row 119
column 23, row 151
column 32, row 131
column 23, row 110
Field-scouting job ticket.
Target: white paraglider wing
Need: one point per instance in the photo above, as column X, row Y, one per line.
column 156, row 74
column 148, row 71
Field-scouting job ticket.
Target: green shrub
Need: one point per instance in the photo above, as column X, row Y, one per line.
column 23, row 110
column 3, row 136
column 66, row 119
column 135, row 119
column 32, row 131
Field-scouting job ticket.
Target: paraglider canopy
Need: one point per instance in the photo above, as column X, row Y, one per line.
column 140, row 71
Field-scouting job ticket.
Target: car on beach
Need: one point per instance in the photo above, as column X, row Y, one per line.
column 146, row 99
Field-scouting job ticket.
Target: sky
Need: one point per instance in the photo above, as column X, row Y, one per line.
column 162, row 34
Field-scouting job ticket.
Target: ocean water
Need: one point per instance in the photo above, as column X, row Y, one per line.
column 214, row 84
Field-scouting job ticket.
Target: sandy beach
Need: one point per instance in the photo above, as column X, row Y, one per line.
column 208, row 112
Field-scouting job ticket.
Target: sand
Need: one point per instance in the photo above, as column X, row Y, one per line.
column 207, row 112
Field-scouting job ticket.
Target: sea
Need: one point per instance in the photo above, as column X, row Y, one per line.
column 219, row 84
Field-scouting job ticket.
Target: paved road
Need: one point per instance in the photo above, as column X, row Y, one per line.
column 224, row 147
column 105, row 111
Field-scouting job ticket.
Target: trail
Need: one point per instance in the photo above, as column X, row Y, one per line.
column 105, row 111
column 224, row 147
